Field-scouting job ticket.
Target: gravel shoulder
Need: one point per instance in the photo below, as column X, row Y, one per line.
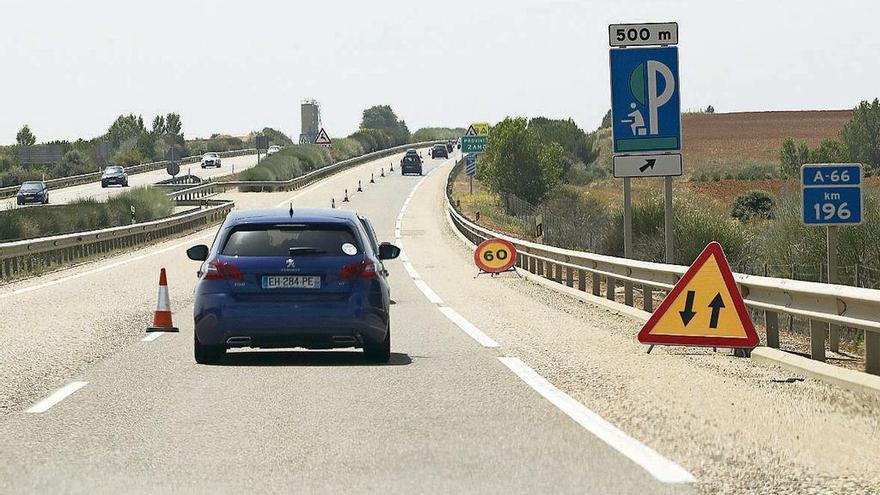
column 738, row 426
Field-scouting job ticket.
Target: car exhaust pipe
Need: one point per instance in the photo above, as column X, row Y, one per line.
column 238, row 340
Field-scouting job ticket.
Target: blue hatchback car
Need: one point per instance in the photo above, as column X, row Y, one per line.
column 279, row 278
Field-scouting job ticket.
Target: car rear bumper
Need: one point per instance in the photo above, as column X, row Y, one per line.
column 114, row 180
column 29, row 199
column 410, row 169
column 220, row 320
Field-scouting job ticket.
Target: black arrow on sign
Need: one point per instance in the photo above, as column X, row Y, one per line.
column 649, row 163
column 688, row 314
column 716, row 305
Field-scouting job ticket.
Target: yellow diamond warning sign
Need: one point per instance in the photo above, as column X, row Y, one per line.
column 704, row 308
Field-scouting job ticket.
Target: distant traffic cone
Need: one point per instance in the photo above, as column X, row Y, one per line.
column 332, row 202
column 372, row 181
column 382, row 172
column 360, row 189
column 392, row 166
column 345, row 199
column 162, row 315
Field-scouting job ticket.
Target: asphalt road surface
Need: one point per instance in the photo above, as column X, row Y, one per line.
column 496, row 385
column 95, row 191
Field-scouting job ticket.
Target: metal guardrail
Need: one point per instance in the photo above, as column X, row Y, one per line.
column 31, row 255
column 9, row 191
column 822, row 304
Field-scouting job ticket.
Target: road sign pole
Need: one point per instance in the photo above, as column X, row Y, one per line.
column 833, row 330
column 670, row 254
column 627, row 235
column 471, row 183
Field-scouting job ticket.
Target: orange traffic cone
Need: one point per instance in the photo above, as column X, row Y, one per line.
column 162, row 315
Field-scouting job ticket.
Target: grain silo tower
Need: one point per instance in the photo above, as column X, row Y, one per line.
column 311, row 120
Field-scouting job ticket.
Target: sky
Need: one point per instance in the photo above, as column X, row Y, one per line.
column 71, row 67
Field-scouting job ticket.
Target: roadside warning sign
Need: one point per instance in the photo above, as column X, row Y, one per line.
column 704, row 308
column 323, row 139
column 495, row 256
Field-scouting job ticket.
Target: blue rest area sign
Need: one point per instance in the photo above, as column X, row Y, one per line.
column 645, row 99
column 470, row 165
column 832, row 193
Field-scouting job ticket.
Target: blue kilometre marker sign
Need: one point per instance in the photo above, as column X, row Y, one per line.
column 832, row 194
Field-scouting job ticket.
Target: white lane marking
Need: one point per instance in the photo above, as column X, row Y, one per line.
column 126, row 261
column 397, row 233
column 56, row 397
column 403, row 256
column 430, row 294
column 152, row 336
column 658, row 466
column 411, row 270
column 468, row 327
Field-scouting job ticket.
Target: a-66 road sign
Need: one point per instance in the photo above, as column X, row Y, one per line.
column 831, row 193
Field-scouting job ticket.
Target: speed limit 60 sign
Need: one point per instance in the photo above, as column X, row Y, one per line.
column 495, row 256
column 832, row 193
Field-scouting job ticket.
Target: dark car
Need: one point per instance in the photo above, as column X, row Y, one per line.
column 439, row 151
column 280, row 278
column 33, row 192
column 114, row 175
column 411, row 163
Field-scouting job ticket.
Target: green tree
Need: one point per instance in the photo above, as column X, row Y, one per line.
column 25, row 137
column 159, row 127
column 788, row 158
column 753, row 204
column 710, row 109
column 861, row 135
column 517, row 162
column 125, row 127
column 379, row 117
column 173, row 125
column 829, row 151
column 606, row 120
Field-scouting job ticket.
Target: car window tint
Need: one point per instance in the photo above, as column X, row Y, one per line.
column 277, row 240
column 410, row 159
column 371, row 234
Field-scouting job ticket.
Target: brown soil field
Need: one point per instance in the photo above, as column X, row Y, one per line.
column 744, row 138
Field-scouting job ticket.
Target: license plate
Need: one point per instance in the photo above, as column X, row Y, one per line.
column 291, row 282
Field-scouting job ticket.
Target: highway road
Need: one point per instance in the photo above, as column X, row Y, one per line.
column 95, row 191
column 496, row 385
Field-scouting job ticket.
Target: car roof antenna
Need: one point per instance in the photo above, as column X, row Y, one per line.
column 291, row 209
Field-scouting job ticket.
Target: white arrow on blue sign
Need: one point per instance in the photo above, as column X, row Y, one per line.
column 645, row 99
column 831, row 193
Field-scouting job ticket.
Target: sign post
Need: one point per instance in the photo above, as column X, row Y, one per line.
column 831, row 196
column 262, row 144
column 646, row 116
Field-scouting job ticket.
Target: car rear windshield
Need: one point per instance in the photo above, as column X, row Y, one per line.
column 31, row 186
column 291, row 239
column 410, row 159
column 113, row 170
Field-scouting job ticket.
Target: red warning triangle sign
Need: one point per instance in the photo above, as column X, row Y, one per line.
column 322, row 138
column 704, row 308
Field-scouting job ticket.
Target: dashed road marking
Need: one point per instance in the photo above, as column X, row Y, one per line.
column 468, row 327
column 411, row 270
column 56, row 397
column 430, row 294
column 658, row 466
column 152, row 336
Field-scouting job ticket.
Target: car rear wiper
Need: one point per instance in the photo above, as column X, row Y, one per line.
column 305, row 250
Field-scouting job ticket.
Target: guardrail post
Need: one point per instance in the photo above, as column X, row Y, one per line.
column 609, row 288
column 597, row 284
column 540, row 267
column 582, row 280
column 872, row 352
column 532, row 267
column 648, row 298
column 628, row 293
column 557, row 273
column 569, row 276
column 818, row 329
column 771, row 322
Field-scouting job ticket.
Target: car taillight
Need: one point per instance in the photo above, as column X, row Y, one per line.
column 364, row 269
column 221, row 270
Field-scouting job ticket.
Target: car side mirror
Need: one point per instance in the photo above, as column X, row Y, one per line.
column 198, row 253
column 388, row 251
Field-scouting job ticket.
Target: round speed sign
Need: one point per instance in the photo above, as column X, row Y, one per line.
column 495, row 255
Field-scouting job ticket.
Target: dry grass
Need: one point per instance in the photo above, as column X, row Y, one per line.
column 739, row 139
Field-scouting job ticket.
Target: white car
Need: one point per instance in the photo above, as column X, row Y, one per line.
column 273, row 149
column 210, row 160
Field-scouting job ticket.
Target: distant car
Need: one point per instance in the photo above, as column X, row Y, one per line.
column 273, row 149
column 411, row 164
column 439, row 151
column 32, row 192
column 277, row 278
column 114, row 175
column 211, row 160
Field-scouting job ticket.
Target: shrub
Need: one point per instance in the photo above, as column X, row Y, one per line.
column 753, row 204
column 757, row 172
